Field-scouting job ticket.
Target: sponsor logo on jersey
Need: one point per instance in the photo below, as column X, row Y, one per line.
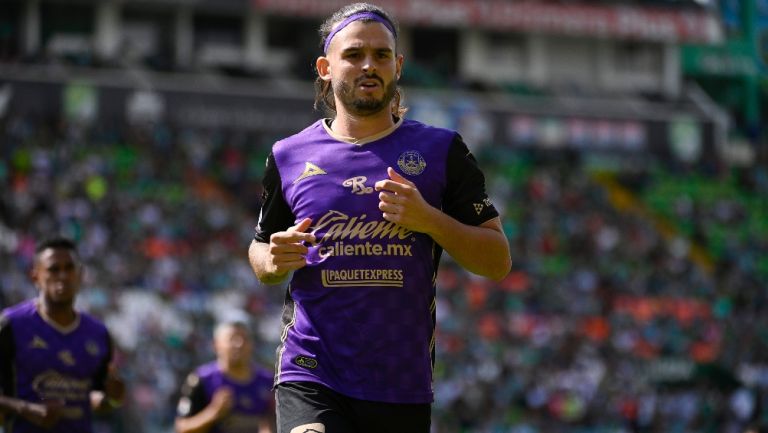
column 357, row 184
column 38, row 343
column 309, row 171
column 339, row 248
column 480, row 206
column 340, row 226
column 305, row 361
column 411, row 162
column 52, row 385
column 362, row 277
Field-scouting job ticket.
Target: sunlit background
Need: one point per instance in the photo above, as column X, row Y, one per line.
column 623, row 142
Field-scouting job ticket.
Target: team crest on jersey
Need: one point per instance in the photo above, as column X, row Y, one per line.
column 92, row 348
column 66, row 357
column 38, row 343
column 309, row 171
column 411, row 162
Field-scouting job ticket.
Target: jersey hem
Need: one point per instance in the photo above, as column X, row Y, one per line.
column 420, row 398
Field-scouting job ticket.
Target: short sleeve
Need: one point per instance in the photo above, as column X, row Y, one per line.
column 192, row 399
column 7, row 354
column 275, row 214
column 465, row 198
column 100, row 377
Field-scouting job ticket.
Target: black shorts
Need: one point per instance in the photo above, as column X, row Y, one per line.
column 308, row 407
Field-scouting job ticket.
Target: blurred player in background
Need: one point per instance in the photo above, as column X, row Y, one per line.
column 55, row 361
column 359, row 207
column 230, row 394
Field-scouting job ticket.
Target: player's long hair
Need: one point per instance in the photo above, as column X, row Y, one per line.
column 323, row 89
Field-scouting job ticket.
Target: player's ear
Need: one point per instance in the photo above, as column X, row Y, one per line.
column 323, row 68
column 398, row 66
column 34, row 273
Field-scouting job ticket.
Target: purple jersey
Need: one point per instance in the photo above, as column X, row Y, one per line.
column 253, row 399
column 360, row 317
column 41, row 360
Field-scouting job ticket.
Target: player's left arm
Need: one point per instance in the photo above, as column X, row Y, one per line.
column 108, row 389
column 467, row 227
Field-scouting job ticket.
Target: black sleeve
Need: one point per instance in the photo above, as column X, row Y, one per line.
column 465, row 198
column 275, row 214
column 101, row 374
column 7, row 353
column 192, row 399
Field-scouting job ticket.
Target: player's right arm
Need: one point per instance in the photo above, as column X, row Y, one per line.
column 285, row 252
column 196, row 415
column 278, row 247
column 41, row 414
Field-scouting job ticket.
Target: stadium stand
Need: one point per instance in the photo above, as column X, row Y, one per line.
column 604, row 324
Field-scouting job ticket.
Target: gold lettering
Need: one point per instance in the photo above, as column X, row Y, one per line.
column 341, row 227
column 362, row 277
column 349, row 232
column 53, row 385
column 367, row 229
column 388, row 228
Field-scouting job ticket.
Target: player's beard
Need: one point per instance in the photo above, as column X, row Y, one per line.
column 368, row 105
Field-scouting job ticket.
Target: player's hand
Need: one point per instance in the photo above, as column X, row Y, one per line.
column 401, row 202
column 45, row 414
column 114, row 387
column 287, row 251
column 222, row 402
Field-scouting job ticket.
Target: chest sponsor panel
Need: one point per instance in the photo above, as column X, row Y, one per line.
column 52, row 385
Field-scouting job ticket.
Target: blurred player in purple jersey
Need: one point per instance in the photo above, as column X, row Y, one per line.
column 358, row 208
column 55, row 361
column 230, row 394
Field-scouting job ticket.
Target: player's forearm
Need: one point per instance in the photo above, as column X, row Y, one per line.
column 22, row 408
column 198, row 423
column 258, row 255
column 12, row 405
column 482, row 250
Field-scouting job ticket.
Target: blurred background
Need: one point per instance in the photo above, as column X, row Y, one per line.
column 623, row 142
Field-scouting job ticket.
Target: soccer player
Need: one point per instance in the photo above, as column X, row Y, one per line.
column 358, row 208
column 54, row 360
column 230, row 394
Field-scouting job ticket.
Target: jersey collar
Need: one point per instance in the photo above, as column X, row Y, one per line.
column 360, row 141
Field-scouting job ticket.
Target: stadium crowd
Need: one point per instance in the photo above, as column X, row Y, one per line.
column 608, row 321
